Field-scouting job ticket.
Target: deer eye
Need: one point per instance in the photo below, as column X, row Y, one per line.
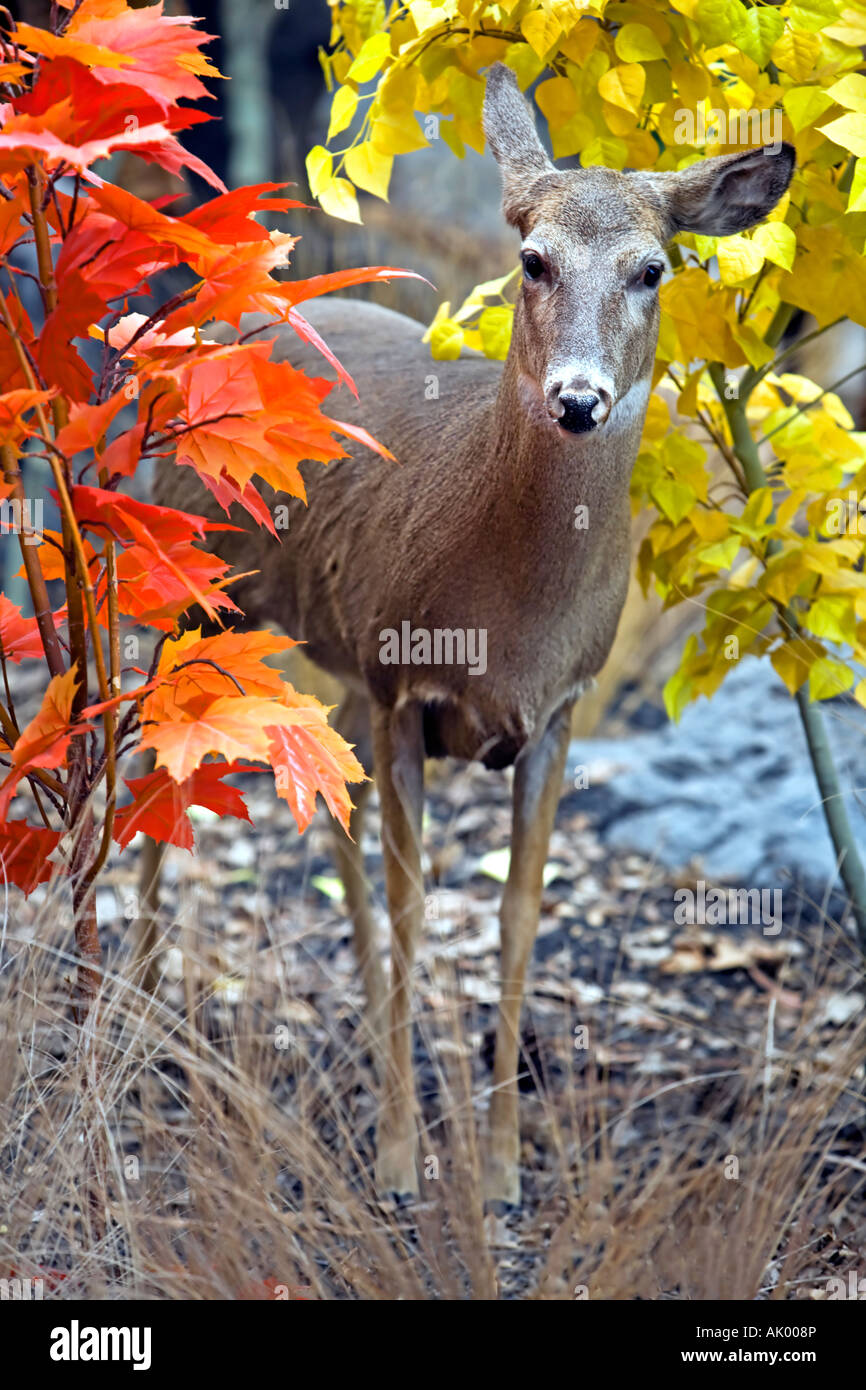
column 533, row 265
column 651, row 276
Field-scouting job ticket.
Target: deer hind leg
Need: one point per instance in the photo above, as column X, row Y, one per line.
column 537, row 784
column 353, row 722
column 398, row 755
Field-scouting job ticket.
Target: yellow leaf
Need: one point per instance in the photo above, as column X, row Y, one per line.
column 833, row 617
column 705, row 246
column 635, row 43
column 557, row 99
column 369, row 169
column 370, row 59
column 721, row 555
column 698, row 316
column 606, row 150
column 395, row 133
column 320, row 164
column 791, row 663
column 541, row 31
column 658, row 419
column 849, row 91
column 446, row 340
column 805, row 105
column 398, row 89
column 426, row 12
column 796, row 53
column 857, row 194
column 828, row 678
column 678, row 690
column 448, row 131
column 711, row 526
column 693, row 83
column 757, row 352
column 848, row 131
column 778, row 242
column 675, row 500
column 343, row 108
column 495, row 327
column 850, row 29
column 338, row 199
column 580, row 43
column 623, row 86
column 524, row 63
column 738, row 259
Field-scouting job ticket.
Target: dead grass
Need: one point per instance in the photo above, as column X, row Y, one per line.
column 185, row 1148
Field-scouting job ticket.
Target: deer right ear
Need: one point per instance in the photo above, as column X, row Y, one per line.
column 729, row 193
column 510, row 130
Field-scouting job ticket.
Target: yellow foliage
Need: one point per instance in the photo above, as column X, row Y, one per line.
column 775, row 555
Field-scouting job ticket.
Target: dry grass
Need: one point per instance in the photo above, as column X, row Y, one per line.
column 179, row 1151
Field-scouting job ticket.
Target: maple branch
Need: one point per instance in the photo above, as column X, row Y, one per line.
column 714, row 435
column 110, row 718
column 178, row 430
column 60, row 416
column 807, row 405
column 42, row 237
column 206, row 661
column 35, row 578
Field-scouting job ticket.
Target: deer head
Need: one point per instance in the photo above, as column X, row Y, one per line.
column 593, row 254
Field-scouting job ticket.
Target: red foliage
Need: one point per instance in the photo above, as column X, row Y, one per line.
column 110, row 78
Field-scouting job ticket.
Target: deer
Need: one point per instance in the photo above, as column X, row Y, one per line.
column 472, row 531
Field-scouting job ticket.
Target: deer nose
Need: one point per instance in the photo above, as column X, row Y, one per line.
column 577, row 412
column 580, row 407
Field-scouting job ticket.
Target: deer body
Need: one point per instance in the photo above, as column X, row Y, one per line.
column 474, row 530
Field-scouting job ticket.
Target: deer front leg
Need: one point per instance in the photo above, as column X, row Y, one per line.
column 398, row 756
column 537, row 784
column 353, row 722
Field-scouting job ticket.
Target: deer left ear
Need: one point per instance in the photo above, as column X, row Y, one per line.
column 513, row 140
column 727, row 194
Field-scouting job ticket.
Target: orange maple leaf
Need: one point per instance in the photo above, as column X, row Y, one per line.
column 46, row 738
column 238, row 726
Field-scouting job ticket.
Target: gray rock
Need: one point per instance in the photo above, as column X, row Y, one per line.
column 731, row 785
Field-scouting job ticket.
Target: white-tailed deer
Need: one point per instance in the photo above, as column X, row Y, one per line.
column 469, row 544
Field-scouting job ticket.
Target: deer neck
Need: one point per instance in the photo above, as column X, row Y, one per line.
column 538, row 474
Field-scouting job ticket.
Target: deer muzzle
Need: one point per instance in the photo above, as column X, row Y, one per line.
column 578, row 407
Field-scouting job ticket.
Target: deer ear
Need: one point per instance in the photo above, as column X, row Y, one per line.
column 727, row 194
column 510, row 130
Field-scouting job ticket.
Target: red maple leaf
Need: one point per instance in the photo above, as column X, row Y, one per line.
column 19, row 637
column 60, row 365
column 24, row 851
column 160, row 805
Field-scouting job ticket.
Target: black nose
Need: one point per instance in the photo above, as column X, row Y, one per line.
column 577, row 413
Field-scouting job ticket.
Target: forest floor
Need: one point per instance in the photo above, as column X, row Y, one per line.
column 692, row 1095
